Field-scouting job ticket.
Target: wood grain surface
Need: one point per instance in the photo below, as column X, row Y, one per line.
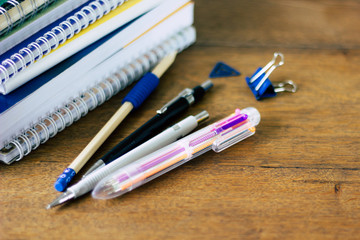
column 298, row 177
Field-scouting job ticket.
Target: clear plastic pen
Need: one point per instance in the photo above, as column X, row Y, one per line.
column 217, row 136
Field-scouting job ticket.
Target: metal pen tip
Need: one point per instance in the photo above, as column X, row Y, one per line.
column 207, row 85
column 66, row 196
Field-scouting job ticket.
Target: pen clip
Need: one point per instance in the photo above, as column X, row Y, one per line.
column 187, row 93
column 237, row 134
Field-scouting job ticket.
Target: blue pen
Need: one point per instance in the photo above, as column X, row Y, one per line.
column 133, row 100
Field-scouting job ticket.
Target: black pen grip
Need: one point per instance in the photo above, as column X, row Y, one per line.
column 198, row 93
column 148, row 130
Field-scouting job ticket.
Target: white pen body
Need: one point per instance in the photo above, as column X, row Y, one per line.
column 161, row 140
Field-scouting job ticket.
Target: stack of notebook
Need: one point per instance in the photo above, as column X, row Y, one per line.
column 63, row 58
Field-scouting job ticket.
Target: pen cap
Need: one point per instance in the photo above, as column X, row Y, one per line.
column 252, row 113
column 238, row 133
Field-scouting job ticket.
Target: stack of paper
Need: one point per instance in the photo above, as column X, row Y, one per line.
column 54, row 77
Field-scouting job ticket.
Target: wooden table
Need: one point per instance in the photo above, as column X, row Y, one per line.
column 298, row 177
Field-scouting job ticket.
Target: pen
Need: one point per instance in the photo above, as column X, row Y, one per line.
column 217, row 136
column 168, row 136
column 132, row 100
column 164, row 116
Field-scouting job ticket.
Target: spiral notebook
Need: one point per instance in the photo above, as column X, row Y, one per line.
column 65, row 37
column 15, row 31
column 14, row 12
column 46, row 115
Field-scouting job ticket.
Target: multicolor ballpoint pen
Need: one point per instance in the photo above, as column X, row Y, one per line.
column 217, row 136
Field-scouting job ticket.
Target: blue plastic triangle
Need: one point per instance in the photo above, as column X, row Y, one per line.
column 223, row 70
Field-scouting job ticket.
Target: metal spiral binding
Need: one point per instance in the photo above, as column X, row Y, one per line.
column 57, row 36
column 95, row 96
column 18, row 19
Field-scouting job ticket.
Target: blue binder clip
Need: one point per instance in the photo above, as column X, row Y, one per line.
column 260, row 84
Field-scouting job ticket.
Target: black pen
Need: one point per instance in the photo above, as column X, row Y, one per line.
column 168, row 113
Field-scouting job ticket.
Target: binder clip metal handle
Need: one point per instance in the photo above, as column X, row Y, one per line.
column 287, row 86
column 260, row 84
